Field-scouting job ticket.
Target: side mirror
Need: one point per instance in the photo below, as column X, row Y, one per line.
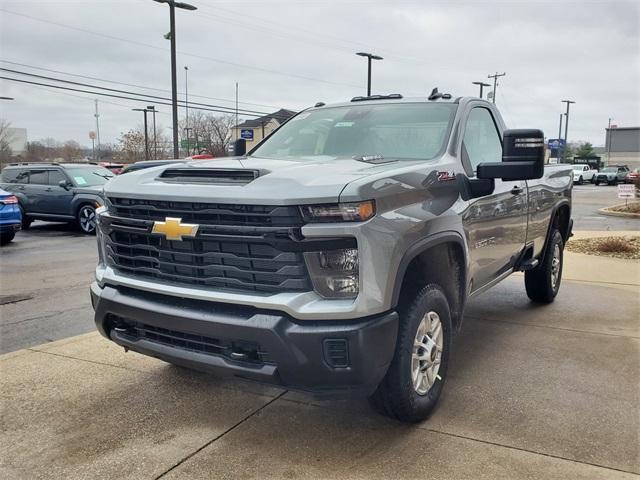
column 64, row 184
column 523, row 154
column 239, row 147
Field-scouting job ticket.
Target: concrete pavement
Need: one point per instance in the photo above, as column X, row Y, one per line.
column 533, row 392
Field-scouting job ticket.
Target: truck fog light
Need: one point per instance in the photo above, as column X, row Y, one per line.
column 334, row 273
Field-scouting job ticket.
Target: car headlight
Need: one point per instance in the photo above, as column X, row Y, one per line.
column 334, row 273
column 339, row 212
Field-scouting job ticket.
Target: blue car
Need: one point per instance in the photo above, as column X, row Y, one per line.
column 10, row 217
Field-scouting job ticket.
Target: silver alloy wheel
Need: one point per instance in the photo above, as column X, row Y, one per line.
column 87, row 219
column 427, row 353
column 555, row 266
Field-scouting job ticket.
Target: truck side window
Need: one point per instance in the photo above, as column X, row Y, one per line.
column 481, row 139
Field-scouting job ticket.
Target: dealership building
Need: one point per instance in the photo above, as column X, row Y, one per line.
column 622, row 146
column 253, row 131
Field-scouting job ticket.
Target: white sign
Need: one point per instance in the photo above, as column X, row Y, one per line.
column 626, row 191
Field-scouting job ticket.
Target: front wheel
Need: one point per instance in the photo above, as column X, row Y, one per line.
column 597, row 182
column 543, row 282
column 87, row 219
column 414, row 381
column 26, row 221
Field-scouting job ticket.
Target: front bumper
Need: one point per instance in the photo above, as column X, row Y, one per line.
column 326, row 358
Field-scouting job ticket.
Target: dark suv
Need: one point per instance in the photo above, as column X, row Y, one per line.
column 59, row 192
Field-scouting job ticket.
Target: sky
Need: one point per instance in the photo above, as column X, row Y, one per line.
column 294, row 53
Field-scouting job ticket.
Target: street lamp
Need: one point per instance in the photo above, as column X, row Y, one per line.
column 566, row 120
column 146, row 136
column 152, row 108
column 370, row 56
column 482, row 84
column 174, row 82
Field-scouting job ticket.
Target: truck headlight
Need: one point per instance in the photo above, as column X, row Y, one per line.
column 339, row 212
column 334, row 273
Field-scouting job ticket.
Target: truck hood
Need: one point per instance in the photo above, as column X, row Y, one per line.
column 279, row 181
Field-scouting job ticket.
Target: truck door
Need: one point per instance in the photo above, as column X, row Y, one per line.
column 496, row 225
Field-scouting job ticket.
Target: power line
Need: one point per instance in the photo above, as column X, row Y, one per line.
column 152, row 97
column 201, row 57
column 112, row 95
column 115, row 82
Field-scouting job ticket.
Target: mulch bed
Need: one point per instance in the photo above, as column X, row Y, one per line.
column 592, row 246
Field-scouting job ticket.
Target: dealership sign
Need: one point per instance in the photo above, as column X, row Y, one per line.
column 246, row 133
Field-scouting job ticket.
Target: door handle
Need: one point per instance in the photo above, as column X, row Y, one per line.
column 516, row 190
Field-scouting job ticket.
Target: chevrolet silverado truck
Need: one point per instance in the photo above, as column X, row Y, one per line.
column 337, row 256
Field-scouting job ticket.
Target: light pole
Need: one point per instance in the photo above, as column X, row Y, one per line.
column 186, row 103
column 370, row 56
column 566, row 121
column 174, row 82
column 146, row 136
column 559, row 139
column 152, row 109
column 6, row 98
column 482, row 84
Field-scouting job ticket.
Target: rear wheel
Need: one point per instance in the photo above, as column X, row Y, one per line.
column 26, row 221
column 580, row 180
column 414, row 381
column 6, row 237
column 543, row 282
column 87, row 219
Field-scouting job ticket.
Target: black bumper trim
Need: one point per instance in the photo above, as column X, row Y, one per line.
column 295, row 348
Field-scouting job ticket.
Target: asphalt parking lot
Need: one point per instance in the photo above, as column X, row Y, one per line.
column 533, row 392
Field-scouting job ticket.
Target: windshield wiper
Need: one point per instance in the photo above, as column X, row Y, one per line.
column 103, row 176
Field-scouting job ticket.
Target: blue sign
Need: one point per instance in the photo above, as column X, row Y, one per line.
column 246, row 133
column 554, row 143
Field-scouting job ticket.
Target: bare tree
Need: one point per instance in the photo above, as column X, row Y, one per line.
column 130, row 147
column 212, row 134
column 6, row 137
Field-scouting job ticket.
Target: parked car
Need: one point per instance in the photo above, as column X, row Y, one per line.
column 633, row 176
column 132, row 167
column 612, row 175
column 338, row 256
column 583, row 173
column 10, row 217
column 115, row 168
column 58, row 192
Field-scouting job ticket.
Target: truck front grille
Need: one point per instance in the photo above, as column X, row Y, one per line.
column 244, row 249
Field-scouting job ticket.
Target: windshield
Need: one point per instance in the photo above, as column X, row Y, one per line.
column 400, row 131
column 610, row 169
column 89, row 176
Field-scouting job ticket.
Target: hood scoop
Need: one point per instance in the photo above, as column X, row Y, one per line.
column 215, row 176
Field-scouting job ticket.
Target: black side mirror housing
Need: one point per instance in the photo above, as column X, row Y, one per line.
column 239, row 147
column 523, row 155
column 64, row 184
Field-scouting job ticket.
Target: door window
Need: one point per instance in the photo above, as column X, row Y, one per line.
column 15, row 175
column 481, row 142
column 39, row 177
column 55, row 177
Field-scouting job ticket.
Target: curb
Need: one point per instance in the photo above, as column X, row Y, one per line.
column 606, row 211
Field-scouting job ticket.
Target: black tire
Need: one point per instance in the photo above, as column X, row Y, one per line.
column 593, row 179
column 543, row 282
column 580, row 180
column 26, row 221
column 396, row 395
column 86, row 219
column 597, row 182
column 6, row 237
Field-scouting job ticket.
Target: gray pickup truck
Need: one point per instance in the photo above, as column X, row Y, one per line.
column 337, row 256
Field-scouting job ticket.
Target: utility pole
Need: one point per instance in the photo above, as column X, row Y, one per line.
column 97, row 115
column 236, row 129
column 370, row 56
column 609, row 138
column 481, row 84
column 566, row 121
column 152, row 109
column 174, row 81
column 495, row 83
column 186, row 104
column 146, row 135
